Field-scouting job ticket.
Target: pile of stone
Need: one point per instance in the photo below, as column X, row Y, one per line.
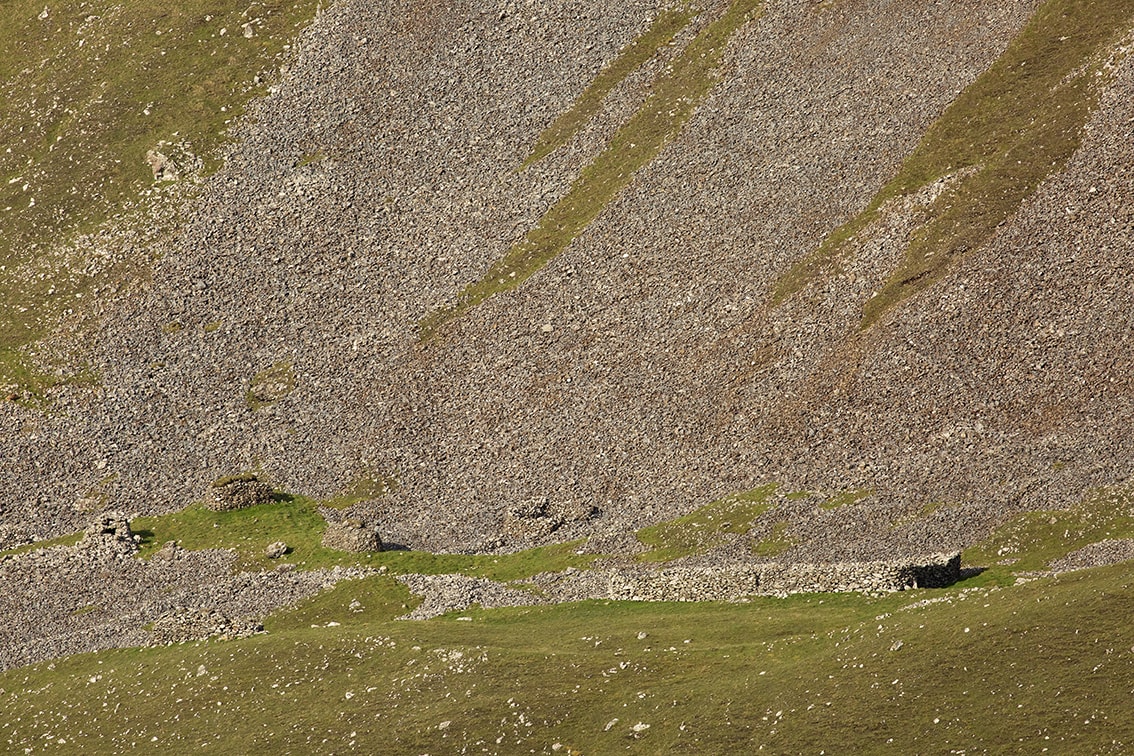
column 449, row 593
column 731, row 583
column 1098, row 554
column 352, row 534
column 238, row 492
column 537, row 518
column 188, row 624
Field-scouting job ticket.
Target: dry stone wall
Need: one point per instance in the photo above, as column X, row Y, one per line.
column 734, row 582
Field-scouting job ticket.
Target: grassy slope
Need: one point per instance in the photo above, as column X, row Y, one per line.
column 1044, row 664
column 676, row 95
column 297, row 522
column 84, row 93
column 1016, row 124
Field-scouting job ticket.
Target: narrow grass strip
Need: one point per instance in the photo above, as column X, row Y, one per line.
column 1018, row 123
column 566, row 126
column 677, row 93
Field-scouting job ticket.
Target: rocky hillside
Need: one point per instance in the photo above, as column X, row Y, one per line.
column 716, row 270
column 695, row 377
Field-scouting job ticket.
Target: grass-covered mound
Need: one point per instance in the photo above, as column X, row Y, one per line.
column 296, row 521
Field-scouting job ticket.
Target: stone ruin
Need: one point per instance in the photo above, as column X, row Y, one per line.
column 238, row 492
column 352, row 534
column 110, row 532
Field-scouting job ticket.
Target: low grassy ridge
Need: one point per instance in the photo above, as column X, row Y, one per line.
column 1018, row 123
column 86, row 90
column 676, row 95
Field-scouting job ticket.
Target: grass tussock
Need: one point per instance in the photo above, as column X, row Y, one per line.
column 675, row 98
column 1018, row 123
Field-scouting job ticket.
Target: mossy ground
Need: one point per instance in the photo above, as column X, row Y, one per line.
column 706, row 527
column 1018, row 123
column 86, row 89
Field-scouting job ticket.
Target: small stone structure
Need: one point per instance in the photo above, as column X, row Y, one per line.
column 352, row 534
column 238, row 492
column 530, row 520
column 110, row 532
column 537, row 518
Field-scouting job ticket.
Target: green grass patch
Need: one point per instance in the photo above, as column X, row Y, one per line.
column 1034, row 539
column 270, row 385
column 366, row 487
column 1044, row 665
column 776, row 543
column 88, row 89
column 310, row 157
column 1018, row 123
column 706, row 527
column 296, row 521
column 67, row 540
column 675, row 97
column 661, row 32
column 846, row 498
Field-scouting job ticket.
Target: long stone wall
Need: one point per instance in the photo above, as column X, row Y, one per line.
column 733, row 582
